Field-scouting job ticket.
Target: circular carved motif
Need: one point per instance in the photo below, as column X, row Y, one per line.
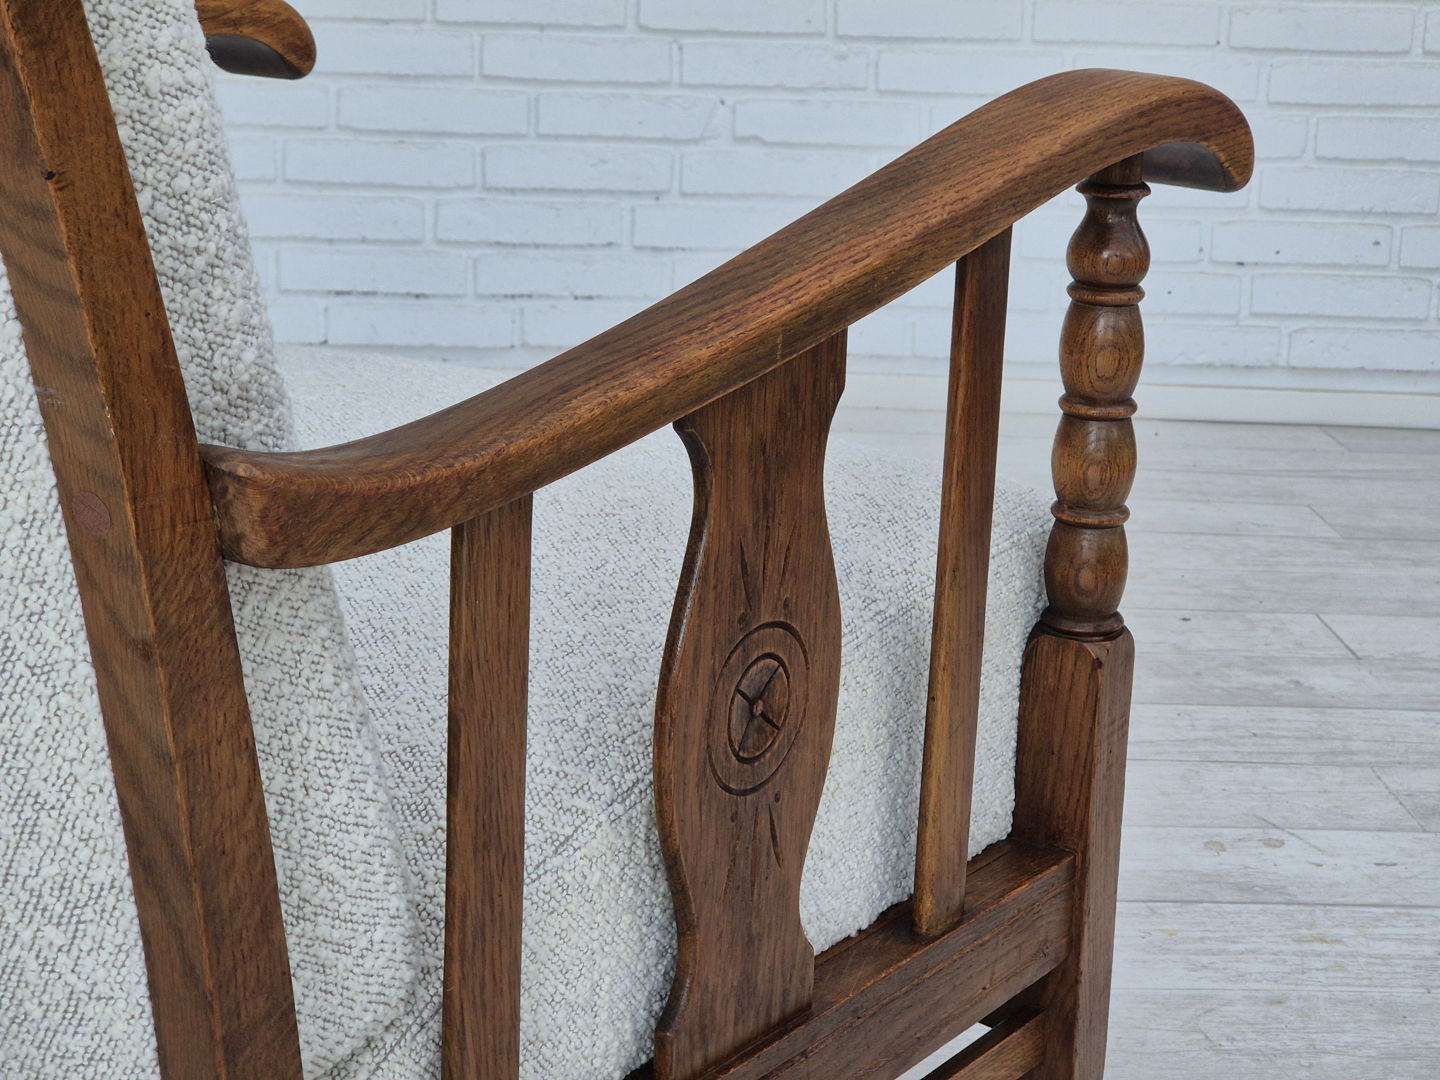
column 757, row 713
column 757, row 708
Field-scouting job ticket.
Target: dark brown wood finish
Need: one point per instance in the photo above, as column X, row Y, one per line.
column 485, row 822
column 147, row 562
column 1075, row 683
column 746, row 710
column 257, row 37
column 806, row 283
column 962, row 570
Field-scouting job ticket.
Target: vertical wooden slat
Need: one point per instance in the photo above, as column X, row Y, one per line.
column 746, row 710
column 962, row 569
column 147, row 561
column 485, row 819
column 1075, row 682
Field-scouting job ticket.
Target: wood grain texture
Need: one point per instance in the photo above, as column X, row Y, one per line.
column 257, row 37
column 962, row 572
column 1102, row 347
column 886, row 999
column 746, row 710
column 147, row 562
column 1076, row 677
column 1069, row 792
column 806, row 283
column 1010, row 1050
column 485, row 818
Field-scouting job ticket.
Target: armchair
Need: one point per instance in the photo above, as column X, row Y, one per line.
column 748, row 364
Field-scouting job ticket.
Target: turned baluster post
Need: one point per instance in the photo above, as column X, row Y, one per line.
column 1093, row 461
column 1075, row 685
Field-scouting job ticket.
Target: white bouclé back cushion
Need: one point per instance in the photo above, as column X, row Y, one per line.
column 73, row 997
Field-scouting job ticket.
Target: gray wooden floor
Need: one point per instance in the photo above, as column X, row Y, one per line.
column 1280, row 886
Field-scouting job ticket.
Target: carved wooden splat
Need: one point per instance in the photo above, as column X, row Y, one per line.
column 746, row 710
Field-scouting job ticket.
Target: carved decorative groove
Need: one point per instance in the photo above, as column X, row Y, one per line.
column 1102, row 347
column 759, row 706
column 746, row 710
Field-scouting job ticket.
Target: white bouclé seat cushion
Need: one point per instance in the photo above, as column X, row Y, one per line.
column 609, row 540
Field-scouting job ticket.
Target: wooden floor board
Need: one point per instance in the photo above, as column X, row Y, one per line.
column 1277, row 947
column 1278, row 865
column 1259, row 633
column 1283, row 735
column 1210, row 517
column 1387, row 440
column 1285, row 796
column 1195, row 550
column 1391, row 637
column 1273, row 1035
column 1376, row 519
column 1287, row 588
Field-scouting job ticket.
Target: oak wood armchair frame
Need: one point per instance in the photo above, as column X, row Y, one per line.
column 748, row 363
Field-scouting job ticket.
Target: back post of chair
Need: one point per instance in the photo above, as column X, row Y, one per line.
column 1075, row 681
column 147, row 560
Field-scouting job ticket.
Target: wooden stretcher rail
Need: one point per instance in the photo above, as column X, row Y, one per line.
column 806, row 283
column 1009, row 1051
column 887, row 998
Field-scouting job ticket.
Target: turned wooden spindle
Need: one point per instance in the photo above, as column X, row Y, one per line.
column 1101, row 349
column 1075, row 684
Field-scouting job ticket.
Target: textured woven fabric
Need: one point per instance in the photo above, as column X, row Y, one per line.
column 608, row 544
column 72, row 978
column 352, row 756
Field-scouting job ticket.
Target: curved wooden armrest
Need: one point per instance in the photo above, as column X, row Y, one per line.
column 811, row 279
column 257, row 37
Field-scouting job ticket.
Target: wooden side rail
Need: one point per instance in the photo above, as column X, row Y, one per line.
column 1011, row 1049
column 806, row 283
column 888, row 998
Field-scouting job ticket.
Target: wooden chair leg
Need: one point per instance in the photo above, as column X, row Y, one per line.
column 1074, row 712
column 1075, row 688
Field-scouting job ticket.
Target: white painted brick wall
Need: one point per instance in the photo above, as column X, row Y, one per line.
column 507, row 177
